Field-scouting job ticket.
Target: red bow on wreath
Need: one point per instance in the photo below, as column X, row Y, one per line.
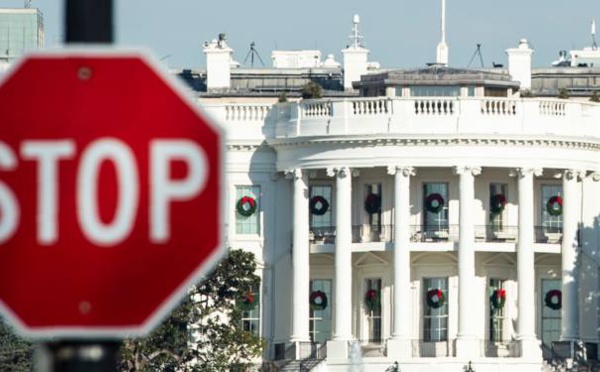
column 249, row 297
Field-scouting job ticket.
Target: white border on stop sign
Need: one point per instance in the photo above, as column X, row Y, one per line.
column 165, row 308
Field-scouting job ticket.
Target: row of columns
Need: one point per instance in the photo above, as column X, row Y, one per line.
column 399, row 344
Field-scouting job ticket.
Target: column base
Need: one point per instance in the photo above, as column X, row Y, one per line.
column 337, row 349
column 530, row 348
column 468, row 347
column 399, row 348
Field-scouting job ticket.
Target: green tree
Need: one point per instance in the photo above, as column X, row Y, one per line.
column 595, row 97
column 563, row 93
column 526, row 93
column 15, row 352
column 204, row 333
column 312, row 90
column 282, row 97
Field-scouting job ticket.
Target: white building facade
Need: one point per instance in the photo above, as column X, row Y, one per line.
column 428, row 225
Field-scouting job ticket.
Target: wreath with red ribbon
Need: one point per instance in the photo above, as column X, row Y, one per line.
column 554, row 206
column 373, row 203
column 434, row 203
column 498, row 298
column 553, row 299
column 248, row 301
column 371, row 299
column 318, row 205
column 246, row 206
column 497, row 203
column 318, row 300
column 435, row 298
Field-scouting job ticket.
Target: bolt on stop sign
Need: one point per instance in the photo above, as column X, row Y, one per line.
column 110, row 194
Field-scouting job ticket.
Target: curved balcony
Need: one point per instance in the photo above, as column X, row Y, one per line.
column 435, row 115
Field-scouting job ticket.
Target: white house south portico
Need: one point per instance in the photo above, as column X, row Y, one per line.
column 425, row 216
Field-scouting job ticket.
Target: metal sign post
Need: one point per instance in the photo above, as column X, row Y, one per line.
column 86, row 21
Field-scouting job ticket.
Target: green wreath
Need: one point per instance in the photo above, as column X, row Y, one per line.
column 435, row 298
column 318, row 205
column 553, row 299
column 497, row 203
column 318, row 300
column 498, row 298
column 554, row 206
column 373, row 203
column 248, row 301
column 372, row 299
column 434, row 203
column 246, row 206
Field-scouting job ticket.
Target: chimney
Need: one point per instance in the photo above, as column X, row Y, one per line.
column 218, row 64
column 355, row 57
column 519, row 63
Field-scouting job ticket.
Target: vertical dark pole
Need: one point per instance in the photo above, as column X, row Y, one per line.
column 86, row 21
column 82, row 356
column 89, row 21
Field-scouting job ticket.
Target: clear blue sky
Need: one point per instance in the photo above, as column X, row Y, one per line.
column 398, row 33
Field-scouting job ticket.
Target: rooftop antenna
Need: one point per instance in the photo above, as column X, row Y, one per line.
column 356, row 37
column 477, row 52
column 594, row 45
column 442, row 48
column 251, row 53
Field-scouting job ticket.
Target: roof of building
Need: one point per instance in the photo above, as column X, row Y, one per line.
column 438, row 75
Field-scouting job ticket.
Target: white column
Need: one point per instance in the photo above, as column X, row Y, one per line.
column 466, row 343
column 300, row 258
column 342, row 327
column 529, row 344
column 570, row 269
column 400, row 344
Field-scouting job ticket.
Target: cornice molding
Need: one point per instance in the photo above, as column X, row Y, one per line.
column 427, row 141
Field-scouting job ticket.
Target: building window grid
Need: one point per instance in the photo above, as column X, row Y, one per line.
column 435, row 321
column 434, row 91
column 251, row 318
column 374, row 219
column 496, row 316
column 551, row 319
column 497, row 219
column 374, row 316
column 320, row 320
column 550, row 223
column 435, row 221
column 324, row 220
column 249, row 224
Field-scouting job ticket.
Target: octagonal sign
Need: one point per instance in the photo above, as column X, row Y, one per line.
column 110, row 194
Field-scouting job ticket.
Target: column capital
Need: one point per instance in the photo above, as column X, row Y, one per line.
column 294, row 174
column 467, row 169
column 523, row 172
column 404, row 170
column 573, row 174
column 342, row 172
column 595, row 176
column 275, row 176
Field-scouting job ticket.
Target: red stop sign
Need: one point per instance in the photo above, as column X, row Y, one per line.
column 110, row 194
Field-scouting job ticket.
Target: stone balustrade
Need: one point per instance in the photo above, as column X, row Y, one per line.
column 436, row 115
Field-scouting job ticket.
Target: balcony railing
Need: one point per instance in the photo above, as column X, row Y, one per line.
column 493, row 233
column 430, row 233
column 488, row 349
column 440, row 115
column 548, row 234
column 322, row 235
column 372, row 234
